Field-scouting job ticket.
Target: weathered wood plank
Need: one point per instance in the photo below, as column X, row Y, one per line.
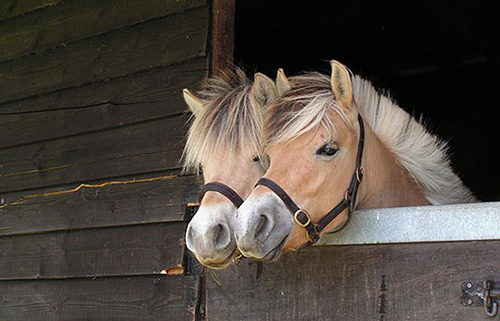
column 223, row 12
column 145, row 86
column 156, row 43
column 152, row 298
column 131, row 99
column 139, row 148
column 72, row 20
column 381, row 282
column 125, row 250
column 112, row 205
column 13, row 8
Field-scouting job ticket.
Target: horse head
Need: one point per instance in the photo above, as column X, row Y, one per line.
column 312, row 141
column 224, row 140
column 335, row 144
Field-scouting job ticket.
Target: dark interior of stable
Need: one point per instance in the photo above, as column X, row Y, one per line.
column 438, row 59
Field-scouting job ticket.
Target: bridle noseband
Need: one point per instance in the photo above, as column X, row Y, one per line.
column 224, row 190
column 302, row 218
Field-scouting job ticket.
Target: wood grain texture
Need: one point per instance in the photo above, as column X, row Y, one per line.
column 156, row 43
column 72, row 20
column 125, row 250
column 114, row 205
column 140, row 148
column 148, row 298
column 222, row 49
column 13, row 8
column 382, row 282
column 153, row 85
column 121, row 101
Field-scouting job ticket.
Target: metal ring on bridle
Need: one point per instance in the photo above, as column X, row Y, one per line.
column 295, row 217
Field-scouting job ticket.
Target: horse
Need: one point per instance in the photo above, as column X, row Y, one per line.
column 335, row 144
column 224, row 142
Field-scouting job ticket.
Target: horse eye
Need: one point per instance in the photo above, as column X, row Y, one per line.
column 256, row 159
column 327, row 150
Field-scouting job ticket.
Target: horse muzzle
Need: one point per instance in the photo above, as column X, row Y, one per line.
column 210, row 235
column 262, row 227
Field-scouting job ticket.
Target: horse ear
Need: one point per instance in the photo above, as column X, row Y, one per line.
column 282, row 83
column 263, row 89
column 341, row 85
column 195, row 105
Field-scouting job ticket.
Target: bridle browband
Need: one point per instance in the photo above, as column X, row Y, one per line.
column 224, row 190
column 302, row 218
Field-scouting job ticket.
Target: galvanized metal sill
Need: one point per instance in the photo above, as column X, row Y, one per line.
column 462, row 222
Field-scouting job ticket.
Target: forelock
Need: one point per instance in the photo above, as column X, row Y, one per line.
column 231, row 121
column 308, row 105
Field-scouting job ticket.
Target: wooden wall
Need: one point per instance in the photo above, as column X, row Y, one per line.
column 390, row 282
column 91, row 92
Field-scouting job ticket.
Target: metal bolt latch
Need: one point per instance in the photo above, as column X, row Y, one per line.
column 484, row 293
column 491, row 299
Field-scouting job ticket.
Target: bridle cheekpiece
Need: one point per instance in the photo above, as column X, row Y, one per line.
column 302, row 218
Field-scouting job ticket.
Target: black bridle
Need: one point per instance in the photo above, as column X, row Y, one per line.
column 224, row 190
column 302, row 218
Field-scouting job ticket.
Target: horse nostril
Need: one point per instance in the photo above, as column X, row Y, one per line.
column 190, row 238
column 263, row 227
column 222, row 237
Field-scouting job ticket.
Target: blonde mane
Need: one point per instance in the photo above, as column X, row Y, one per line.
column 230, row 121
column 420, row 153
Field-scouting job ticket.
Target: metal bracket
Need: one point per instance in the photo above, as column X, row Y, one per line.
column 484, row 293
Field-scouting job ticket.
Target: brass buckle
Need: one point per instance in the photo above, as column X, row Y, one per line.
column 299, row 222
column 308, row 236
column 359, row 174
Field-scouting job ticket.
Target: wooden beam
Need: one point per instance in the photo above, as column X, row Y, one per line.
column 117, row 102
column 133, row 202
column 121, row 151
column 141, row 298
column 356, row 283
column 155, row 43
column 124, row 250
column 222, row 50
column 66, row 21
column 12, row 8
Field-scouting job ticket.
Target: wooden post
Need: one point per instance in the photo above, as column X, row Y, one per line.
column 222, row 39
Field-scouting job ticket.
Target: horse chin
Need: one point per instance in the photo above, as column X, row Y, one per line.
column 275, row 254
column 221, row 264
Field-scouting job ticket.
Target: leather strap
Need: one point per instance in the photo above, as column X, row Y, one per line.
column 352, row 191
column 289, row 203
column 224, row 190
column 302, row 218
